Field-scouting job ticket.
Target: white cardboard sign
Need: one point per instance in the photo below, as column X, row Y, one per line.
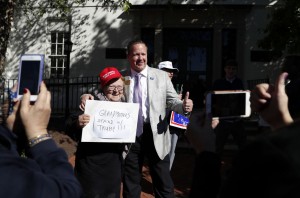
column 110, row 121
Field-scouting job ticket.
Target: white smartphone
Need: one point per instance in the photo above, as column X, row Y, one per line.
column 31, row 69
column 228, row 104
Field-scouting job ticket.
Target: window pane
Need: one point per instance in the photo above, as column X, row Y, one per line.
column 59, row 71
column 173, row 56
column 53, row 37
column 196, row 59
column 53, row 62
column 59, row 49
column 229, row 38
column 65, row 62
column 53, row 49
column 60, row 63
column 53, row 71
column 60, row 37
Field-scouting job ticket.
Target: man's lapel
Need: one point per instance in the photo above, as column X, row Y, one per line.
column 151, row 83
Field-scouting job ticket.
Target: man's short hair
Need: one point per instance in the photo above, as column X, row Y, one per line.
column 133, row 42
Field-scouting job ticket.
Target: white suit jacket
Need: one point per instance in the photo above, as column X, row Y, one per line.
column 161, row 94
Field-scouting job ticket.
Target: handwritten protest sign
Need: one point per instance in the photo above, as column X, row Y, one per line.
column 110, row 121
column 178, row 120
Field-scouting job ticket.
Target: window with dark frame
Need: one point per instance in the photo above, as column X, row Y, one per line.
column 57, row 57
column 229, row 43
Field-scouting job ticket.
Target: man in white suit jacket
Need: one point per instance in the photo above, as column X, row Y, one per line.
column 158, row 93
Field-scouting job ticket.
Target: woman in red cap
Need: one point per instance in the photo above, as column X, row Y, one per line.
column 98, row 165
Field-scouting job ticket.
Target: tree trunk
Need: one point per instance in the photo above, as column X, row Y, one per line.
column 6, row 17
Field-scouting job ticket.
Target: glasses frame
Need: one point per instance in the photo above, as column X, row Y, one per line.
column 115, row 88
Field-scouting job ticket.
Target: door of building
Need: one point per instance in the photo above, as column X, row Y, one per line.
column 190, row 50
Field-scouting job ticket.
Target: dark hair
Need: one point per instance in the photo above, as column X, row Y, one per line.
column 134, row 42
column 231, row 62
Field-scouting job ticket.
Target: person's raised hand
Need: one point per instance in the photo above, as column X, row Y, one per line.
column 8, row 107
column 271, row 102
column 84, row 98
column 35, row 117
column 11, row 119
column 187, row 103
column 260, row 96
column 200, row 132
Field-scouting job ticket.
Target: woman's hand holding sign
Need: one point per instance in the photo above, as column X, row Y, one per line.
column 83, row 120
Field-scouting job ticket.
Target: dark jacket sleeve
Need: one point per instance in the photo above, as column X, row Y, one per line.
column 47, row 173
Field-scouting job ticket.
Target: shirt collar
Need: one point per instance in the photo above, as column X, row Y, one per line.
column 230, row 80
column 144, row 72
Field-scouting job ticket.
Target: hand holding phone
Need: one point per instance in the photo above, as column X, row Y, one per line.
column 30, row 74
column 228, row 104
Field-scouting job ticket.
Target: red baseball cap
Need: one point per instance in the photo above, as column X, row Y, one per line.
column 108, row 74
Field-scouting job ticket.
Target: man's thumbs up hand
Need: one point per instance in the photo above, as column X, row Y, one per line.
column 187, row 103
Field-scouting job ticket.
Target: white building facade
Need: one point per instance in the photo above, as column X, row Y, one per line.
column 197, row 36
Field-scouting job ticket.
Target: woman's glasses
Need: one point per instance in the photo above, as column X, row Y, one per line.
column 113, row 88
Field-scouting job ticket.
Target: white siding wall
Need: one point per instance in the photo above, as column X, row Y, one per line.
column 94, row 29
column 100, row 30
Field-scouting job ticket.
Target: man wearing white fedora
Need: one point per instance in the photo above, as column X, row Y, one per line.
column 167, row 66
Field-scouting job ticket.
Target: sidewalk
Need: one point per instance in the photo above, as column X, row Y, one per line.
column 182, row 170
column 181, row 173
column 183, row 165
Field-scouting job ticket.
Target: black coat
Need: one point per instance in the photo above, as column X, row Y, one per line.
column 223, row 84
column 267, row 167
column 45, row 173
column 98, row 166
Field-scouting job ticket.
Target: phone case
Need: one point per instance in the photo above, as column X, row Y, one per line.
column 31, row 69
column 228, row 104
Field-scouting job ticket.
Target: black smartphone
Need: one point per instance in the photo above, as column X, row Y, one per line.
column 30, row 74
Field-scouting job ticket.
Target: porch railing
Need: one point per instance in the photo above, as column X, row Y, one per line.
column 77, row 86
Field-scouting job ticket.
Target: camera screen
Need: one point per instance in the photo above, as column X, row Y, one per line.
column 225, row 105
column 29, row 77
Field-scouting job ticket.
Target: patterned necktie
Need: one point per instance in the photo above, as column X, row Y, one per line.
column 137, row 98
